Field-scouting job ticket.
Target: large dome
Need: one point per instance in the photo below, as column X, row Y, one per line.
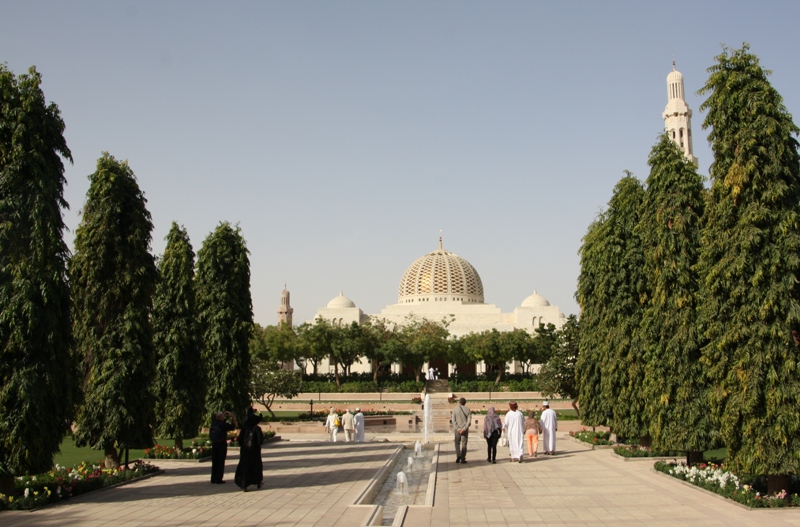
column 441, row 276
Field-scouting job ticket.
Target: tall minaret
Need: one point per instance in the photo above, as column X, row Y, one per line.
column 677, row 115
column 285, row 311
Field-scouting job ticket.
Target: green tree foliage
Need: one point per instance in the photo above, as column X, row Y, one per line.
column 180, row 382
column 225, row 315
column 491, row 348
column 353, row 342
column 669, row 230
column 557, row 375
column 268, row 381
column 420, row 340
column 317, row 343
column 113, row 276
column 611, row 291
column 377, row 352
column 593, row 296
column 38, row 376
column 749, row 267
column 276, row 343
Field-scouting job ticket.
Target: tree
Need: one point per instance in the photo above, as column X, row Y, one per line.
column 612, row 291
column 377, row 352
column 489, row 347
column 268, row 381
column 749, row 265
column 593, row 296
column 180, row 382
column 39, row 378
column 276, row 343
column 355, row 341
column 420, row 340
column 557, row 376
column 669, row 230
column 113, row 276
column 317, row 342
column 225, row 315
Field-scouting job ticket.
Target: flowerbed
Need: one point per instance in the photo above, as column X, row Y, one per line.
column 62, row 483
column 324, row 413
column 748, row 490
column 165, row 452
column 269, row 434
column 643, row 451
column 593, row 438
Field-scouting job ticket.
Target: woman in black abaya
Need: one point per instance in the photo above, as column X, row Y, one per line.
column 249, row 471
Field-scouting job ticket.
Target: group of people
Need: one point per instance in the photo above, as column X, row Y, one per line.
column 517, row 427
column 353, row 425
column 433, row 374
column 249, row 471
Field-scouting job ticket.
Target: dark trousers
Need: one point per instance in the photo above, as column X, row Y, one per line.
column 219, row 451
column 491, row 445
column 461, row 444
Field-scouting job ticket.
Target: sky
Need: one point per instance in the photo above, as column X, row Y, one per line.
column 342, row 136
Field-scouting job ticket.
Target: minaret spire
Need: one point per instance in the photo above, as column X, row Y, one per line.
column 440, row 239
column 677, row 115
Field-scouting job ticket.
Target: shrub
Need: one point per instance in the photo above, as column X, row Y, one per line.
column 642, row 451
column 196, row 451
column 593, row 438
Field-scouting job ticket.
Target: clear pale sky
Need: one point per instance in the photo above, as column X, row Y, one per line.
column 341, row 136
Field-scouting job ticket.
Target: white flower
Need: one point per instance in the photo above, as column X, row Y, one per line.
column 27, row 491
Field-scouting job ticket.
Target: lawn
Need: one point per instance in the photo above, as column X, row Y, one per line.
column 71, row 455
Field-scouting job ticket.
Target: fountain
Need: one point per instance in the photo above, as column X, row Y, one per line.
column 410, row 464
column 402, row 483
column 417, row 448
column 427, row 420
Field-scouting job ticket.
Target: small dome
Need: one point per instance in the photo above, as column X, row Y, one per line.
column 674, row 76
column 340, row 302
column 535, row 300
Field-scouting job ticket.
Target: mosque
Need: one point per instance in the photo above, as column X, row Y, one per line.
column 442, row 284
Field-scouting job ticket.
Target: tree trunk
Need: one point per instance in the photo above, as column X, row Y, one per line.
column 776, row 483
column 577, row 410
column 111, row 457
column 646, row 441
column 7, row 485
column 499, row 376
column 336, row 374
column 375, row 371
column 416, row 373
column 179, row 443
column 694, row 457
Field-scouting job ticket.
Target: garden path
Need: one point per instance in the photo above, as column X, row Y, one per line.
column 314, row 484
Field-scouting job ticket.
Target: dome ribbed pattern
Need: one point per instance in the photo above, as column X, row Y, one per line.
column 441, row 273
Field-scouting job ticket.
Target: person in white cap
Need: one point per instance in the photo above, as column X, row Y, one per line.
column 549, row 424
column 358, row 423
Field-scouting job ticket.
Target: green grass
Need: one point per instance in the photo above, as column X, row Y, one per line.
column 72, row 455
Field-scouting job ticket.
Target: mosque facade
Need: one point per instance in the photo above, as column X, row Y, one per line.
column 443, row 285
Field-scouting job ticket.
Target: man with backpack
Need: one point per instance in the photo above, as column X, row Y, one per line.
column 218, row 435
column 461, row 416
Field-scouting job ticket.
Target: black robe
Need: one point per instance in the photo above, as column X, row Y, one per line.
column 249, row 471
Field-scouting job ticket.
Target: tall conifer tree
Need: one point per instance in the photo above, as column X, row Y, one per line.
column 593, row 297
column 749, row 267
column 38, row 376
column 669, row 230
column 113, row 276
column 225, row 315
column 180, row 377
column 622, row 370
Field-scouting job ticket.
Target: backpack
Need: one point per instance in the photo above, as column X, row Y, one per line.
column 249, row 439
column 337, row 423
column 216, row 433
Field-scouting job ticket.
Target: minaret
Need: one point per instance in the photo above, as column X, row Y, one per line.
column 677, row 115
column 285, row 311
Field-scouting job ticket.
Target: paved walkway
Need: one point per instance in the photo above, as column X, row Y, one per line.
column 315, row 484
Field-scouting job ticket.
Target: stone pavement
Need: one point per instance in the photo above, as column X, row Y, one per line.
column 316, row 483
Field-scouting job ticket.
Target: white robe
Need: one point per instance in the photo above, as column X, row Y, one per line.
column 358, row 421
column 549, row 423
column 514, row 425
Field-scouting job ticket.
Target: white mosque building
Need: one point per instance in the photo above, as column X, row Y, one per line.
column 442, row 285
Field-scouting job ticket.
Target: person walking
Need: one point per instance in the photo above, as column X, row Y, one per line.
column 348, row 424
column 514, row 425
column 532, row 430
column 218, row 435
column 492, row 429
column 549, row 424
column 332, row 424
column 250, row 470
column 358, row 423
column 461, row 416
